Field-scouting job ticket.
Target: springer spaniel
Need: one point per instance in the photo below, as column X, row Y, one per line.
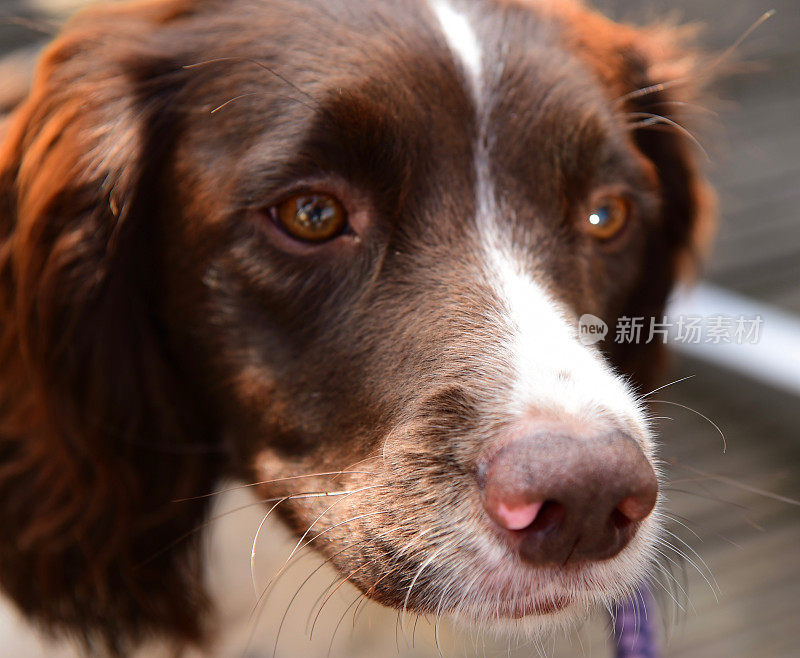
column 280, row 240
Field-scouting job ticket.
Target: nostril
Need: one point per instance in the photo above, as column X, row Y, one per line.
column 550, row 517
column 619, row 520
column 635, row 508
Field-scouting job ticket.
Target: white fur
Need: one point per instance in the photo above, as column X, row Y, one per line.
column 462, row 40
column 555, row 373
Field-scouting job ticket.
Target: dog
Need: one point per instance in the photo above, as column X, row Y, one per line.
column 338, row 250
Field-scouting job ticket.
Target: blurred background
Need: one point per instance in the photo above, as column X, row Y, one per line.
column 737, row 510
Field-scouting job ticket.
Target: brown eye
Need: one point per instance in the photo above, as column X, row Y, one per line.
column 312, row 217
column 608, row 217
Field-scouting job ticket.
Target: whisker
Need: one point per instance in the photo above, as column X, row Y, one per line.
column 231, row 100
column 320, row 597
column 341, row 582
column 414, row 631
column 693, row 106
column 661, row 86
column 668, row 593
column 253, row 549
column 413, row 582
column 257, row 608
column 675, row 580
column 264, row 67
column 336, row 525
column 311, row 575
column 216, row 517
column 651, row 89
column 316, row 609
column 677, row 518
column 640, row 613
column 709, row 495
column 438, row 618
column 468, row 588
column 270, row 96
column 661, row 388
column 687, row 480
column 650, row 119
column 320, row 566
column 739, row 485
column 349, row 468
column 262, row 482
column 718, row 499
column 331, row 589
column 674, row 519
column 346, row 494
column 198, row 528
column 730, row 50
column 309, row 631
column 339, row 623
column 704, row 417
column 715, row 588
column 280, row 571
column 365, row 595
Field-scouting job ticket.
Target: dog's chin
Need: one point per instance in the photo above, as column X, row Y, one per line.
column 527, row 618
column 519, row 602
column 501, row 595
column 522, row 611
column 538, row 612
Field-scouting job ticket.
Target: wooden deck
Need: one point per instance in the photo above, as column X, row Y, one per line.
column 745, row 542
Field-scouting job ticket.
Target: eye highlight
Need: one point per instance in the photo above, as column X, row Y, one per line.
column 311, row 217
column 608, row 217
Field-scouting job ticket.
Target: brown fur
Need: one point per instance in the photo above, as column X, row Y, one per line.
column 153, row 339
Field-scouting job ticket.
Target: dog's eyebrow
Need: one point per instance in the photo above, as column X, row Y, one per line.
column 355, row 135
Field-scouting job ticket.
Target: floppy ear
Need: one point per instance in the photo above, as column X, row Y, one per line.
column 665, row 78
column 100, row 430
column 653, row 74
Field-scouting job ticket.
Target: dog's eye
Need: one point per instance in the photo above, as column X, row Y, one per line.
column 311, row 217
column 608, row 217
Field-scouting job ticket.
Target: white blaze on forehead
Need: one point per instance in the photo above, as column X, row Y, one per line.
column 553, row 371
column 461, row 38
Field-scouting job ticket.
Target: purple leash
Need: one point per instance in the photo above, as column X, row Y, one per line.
column 635, row 626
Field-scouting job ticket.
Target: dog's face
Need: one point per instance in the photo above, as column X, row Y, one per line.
column 364, row 233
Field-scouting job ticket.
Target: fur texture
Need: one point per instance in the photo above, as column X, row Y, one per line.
column 158, row 334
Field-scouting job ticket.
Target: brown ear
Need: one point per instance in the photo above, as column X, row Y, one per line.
column 668, row 75
column 99, row 430
column 650, row 73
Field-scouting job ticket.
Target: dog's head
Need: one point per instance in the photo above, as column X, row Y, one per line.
column 276, row 239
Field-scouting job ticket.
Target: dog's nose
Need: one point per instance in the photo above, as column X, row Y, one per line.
column 568, row 498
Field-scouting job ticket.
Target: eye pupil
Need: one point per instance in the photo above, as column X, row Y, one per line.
column 311, row 217
column 608, row 217
column 314, row 213
column 599, row 216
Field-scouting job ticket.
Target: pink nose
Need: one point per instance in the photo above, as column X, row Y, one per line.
column 515, row 515
column 568, row 497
